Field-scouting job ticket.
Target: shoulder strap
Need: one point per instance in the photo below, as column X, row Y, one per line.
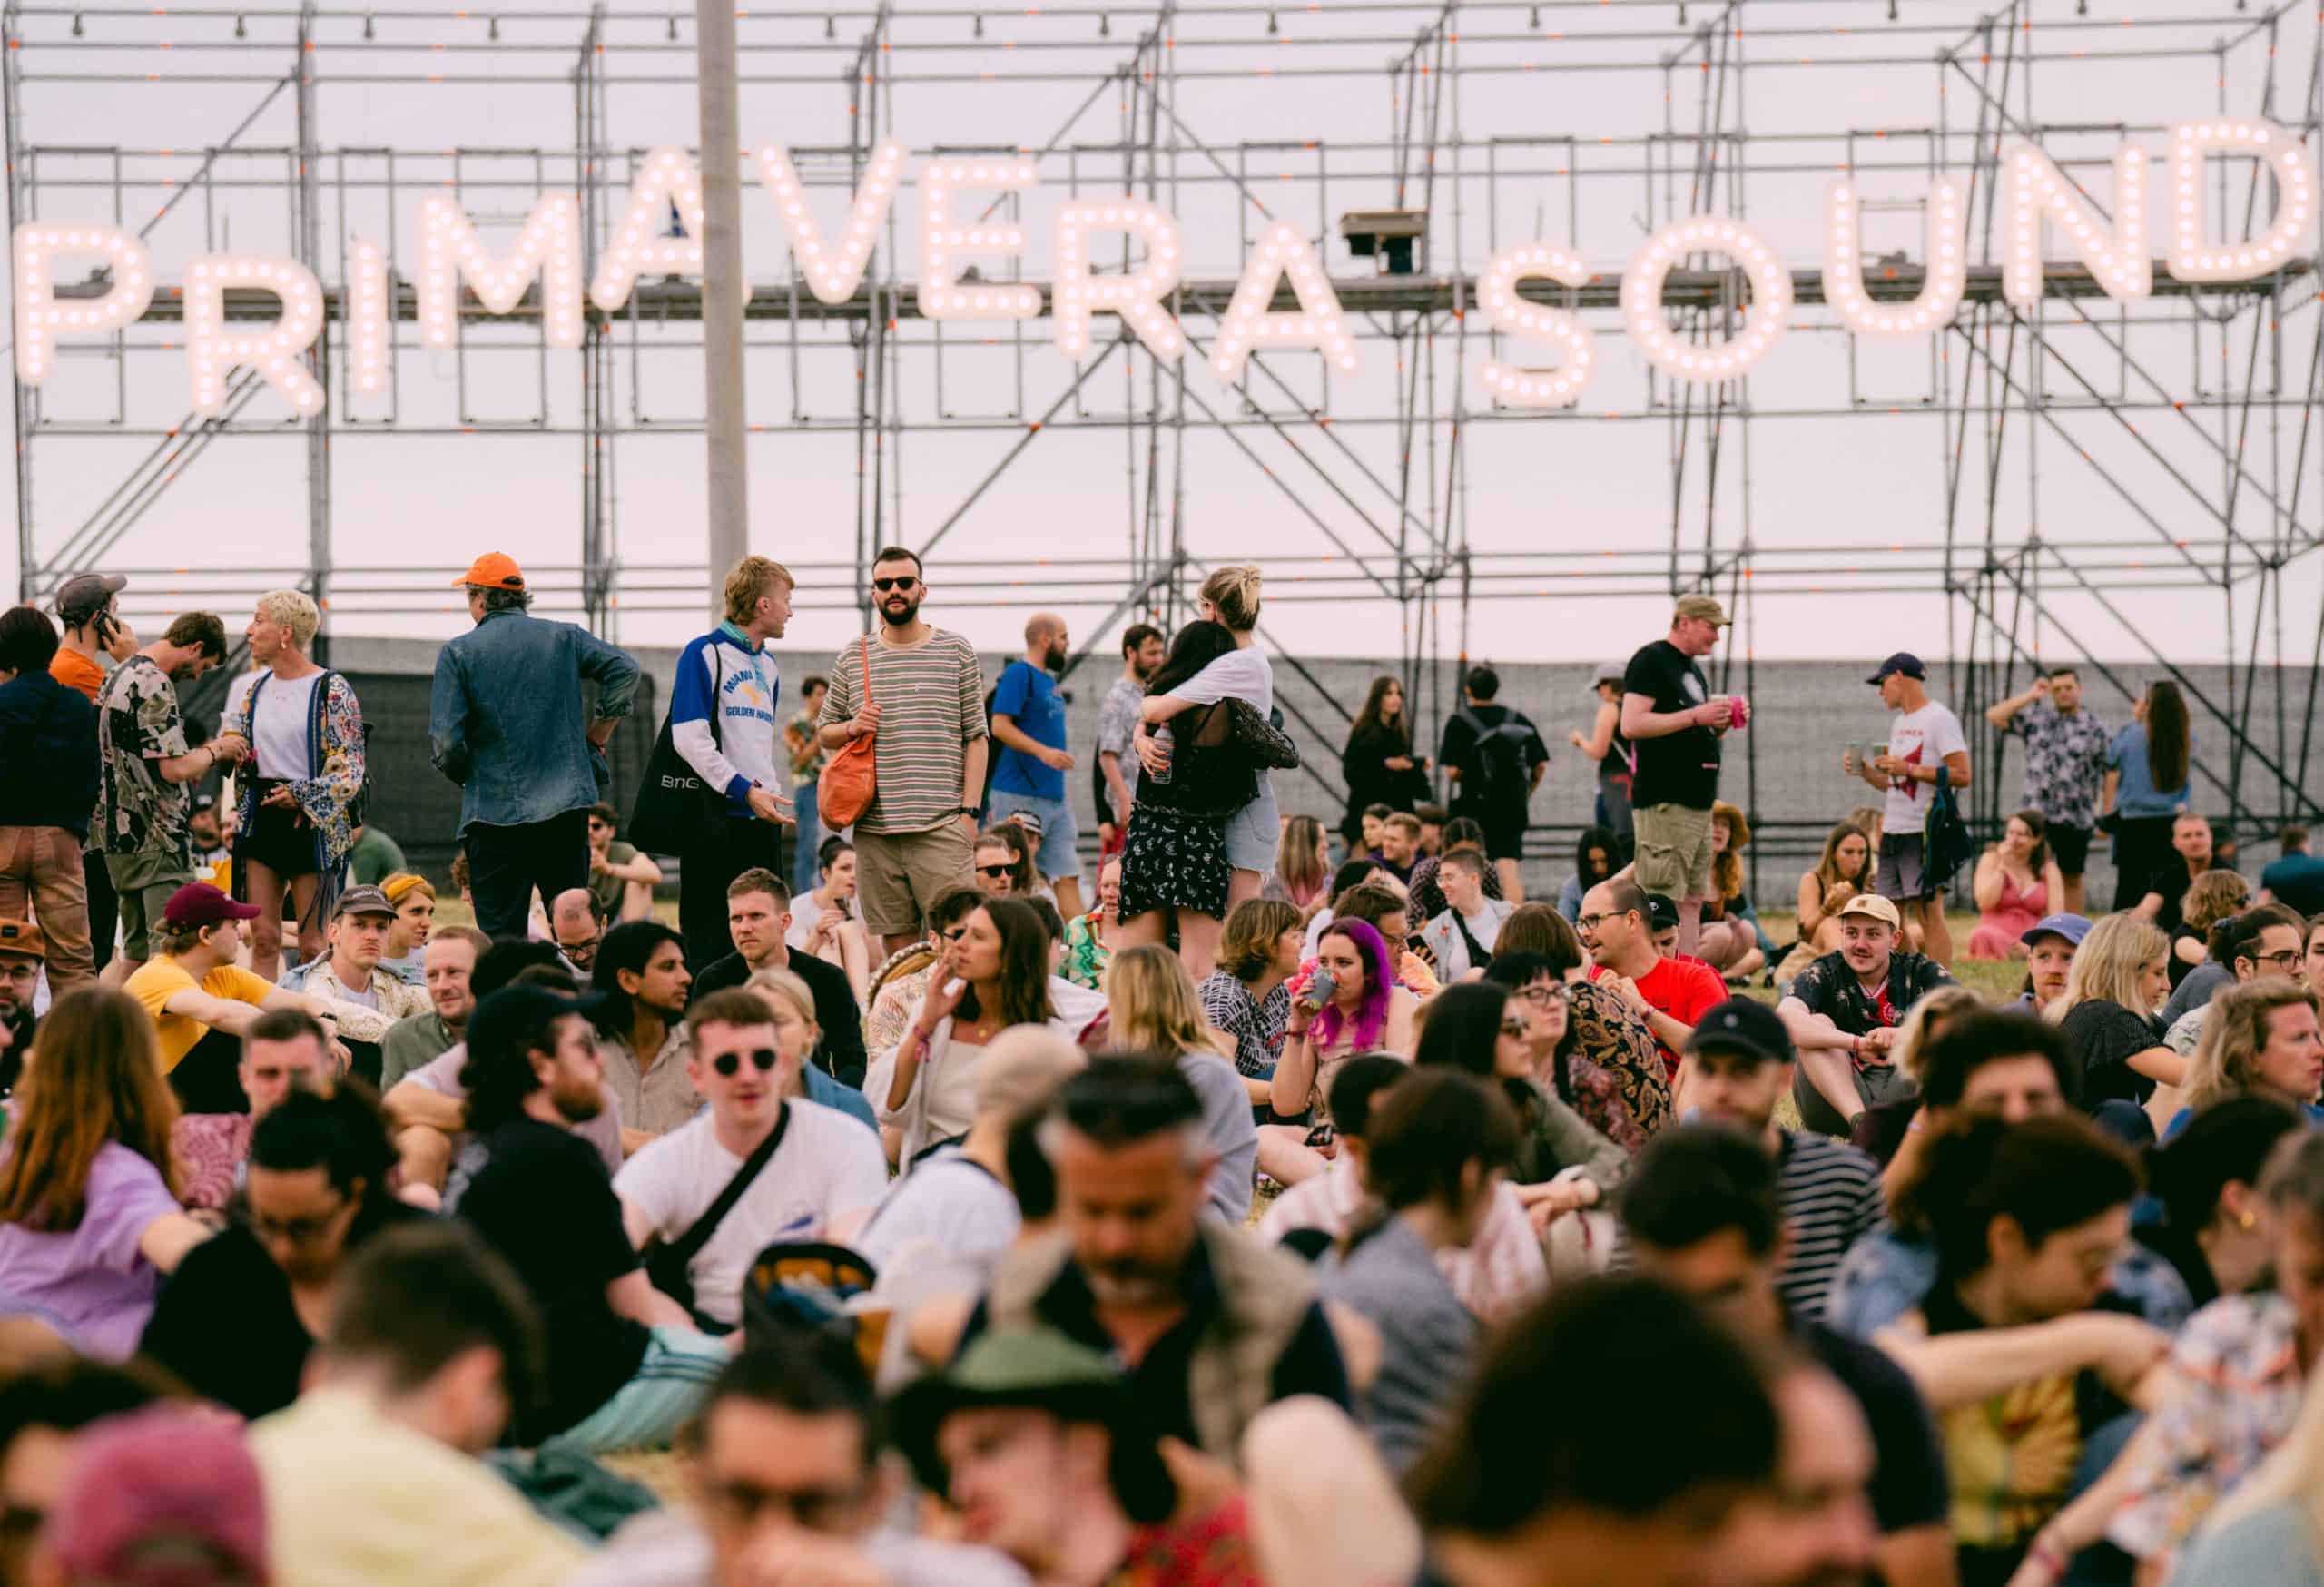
column 690, row 1244
column 867, row 668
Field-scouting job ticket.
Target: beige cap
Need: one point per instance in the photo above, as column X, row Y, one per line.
column 1874, row 906
column 1703, row 608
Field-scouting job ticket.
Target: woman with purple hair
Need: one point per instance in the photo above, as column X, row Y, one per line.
column 1344, row 1001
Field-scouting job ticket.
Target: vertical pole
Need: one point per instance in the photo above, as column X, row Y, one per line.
column 28, row 568
column 307, row 239
column 721, row 291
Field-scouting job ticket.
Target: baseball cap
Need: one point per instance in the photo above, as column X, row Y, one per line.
column 23, row 937
column 2072, row 928
column 198, row 903
column 1661, row 913
column 1703, row 607
column 363, row 900
column 1876, row 907
column 493, row 570
column 1905, row 662
column 164, row 1497
column 1742, row 1025
column 1611, row 672
column 87, row 593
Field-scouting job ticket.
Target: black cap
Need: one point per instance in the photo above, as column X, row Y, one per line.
column 1742, row 1025
column 1905, row 662
column 1661, row 915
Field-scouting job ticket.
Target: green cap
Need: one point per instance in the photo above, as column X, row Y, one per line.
column 1039, row 1369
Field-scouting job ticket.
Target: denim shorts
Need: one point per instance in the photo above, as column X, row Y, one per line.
column 1255, row 831
column 1059, row 854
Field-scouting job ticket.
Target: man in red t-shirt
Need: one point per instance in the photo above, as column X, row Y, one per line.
column 1672, row 993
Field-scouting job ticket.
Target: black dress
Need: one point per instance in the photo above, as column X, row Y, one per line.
column 1174, row 855
column 1371, row 781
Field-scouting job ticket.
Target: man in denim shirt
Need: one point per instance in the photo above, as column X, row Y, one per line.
column 501, row 721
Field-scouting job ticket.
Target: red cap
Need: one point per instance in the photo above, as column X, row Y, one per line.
column 163, row 1497
column 198, row 903
column 493, row 570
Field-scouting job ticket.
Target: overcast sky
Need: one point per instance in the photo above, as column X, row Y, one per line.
column 1855, row 501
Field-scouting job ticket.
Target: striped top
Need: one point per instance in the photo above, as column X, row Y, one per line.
column 932, row 706
column 1831, row 1198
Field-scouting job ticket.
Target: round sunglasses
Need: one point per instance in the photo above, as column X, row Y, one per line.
column 730, row 1064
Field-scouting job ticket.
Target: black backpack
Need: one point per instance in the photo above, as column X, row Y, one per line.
column 1499, row 750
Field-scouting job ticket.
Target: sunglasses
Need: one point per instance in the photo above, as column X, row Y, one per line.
column 884, row 584
column 956, row 933
column 730, row 1064
column 997, row 871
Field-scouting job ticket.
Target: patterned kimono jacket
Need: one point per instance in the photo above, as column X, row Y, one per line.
column 334, row 777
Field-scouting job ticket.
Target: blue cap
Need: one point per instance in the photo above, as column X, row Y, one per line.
column 2072, row 928
column 1905, row 662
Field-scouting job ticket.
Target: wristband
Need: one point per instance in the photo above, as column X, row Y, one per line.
column 2045, row 1555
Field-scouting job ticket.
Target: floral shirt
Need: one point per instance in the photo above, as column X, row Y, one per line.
column 2233, row 1393
column 799, row 738
column 139, row 723
column 1209, row 1549
column 1256, row 1024
column 1615, row 1072
column 2066, row 760
column 1085, row 958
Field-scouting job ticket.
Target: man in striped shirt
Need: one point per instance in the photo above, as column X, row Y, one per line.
column 1742, row 1059
column 924, row 701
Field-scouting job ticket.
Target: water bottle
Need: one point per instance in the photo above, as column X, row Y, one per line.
column 1162, row 738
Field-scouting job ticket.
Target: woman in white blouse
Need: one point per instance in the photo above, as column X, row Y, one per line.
column 995, row 975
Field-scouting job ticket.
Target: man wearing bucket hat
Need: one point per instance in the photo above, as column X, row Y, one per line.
column 1673, row 723
column 507, row 698
column 1039, row 1443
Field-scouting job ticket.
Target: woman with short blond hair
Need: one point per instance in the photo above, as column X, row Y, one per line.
column 295, row 796
column 1152, row 1010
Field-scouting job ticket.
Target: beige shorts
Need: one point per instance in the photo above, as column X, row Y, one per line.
column 898, row 874
column 1673, row 849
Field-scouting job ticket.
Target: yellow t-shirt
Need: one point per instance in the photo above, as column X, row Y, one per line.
column 161, row 978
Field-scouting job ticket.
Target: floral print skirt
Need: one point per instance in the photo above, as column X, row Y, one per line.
column 1174, row 859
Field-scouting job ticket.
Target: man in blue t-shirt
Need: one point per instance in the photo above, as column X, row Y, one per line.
column 1028, row 776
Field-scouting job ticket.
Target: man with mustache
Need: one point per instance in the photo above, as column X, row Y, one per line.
column 922, row 704
column 1136, row 1271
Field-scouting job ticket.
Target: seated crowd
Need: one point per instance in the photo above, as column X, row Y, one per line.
column 1360, row 1227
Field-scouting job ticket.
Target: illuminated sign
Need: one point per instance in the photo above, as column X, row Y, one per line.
column 2036, row 199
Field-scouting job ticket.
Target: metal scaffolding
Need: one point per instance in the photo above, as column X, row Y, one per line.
column 2207, row 397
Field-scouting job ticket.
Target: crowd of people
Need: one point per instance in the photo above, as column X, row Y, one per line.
column 1295, row 1204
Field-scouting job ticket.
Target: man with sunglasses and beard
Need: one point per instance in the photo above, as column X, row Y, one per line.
column 923, row 705
column 803, row 1168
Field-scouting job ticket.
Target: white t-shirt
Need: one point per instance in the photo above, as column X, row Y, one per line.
column 1243, row 675
column 948, row 1217
column 1921, row 738
column 278, row 730
column 827, row 1167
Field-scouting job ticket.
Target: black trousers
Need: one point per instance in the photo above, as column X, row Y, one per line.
column 506, row 863
column 719, row 853
column 105, row 911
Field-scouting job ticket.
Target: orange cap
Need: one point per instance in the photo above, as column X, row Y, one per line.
column 493, row 570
